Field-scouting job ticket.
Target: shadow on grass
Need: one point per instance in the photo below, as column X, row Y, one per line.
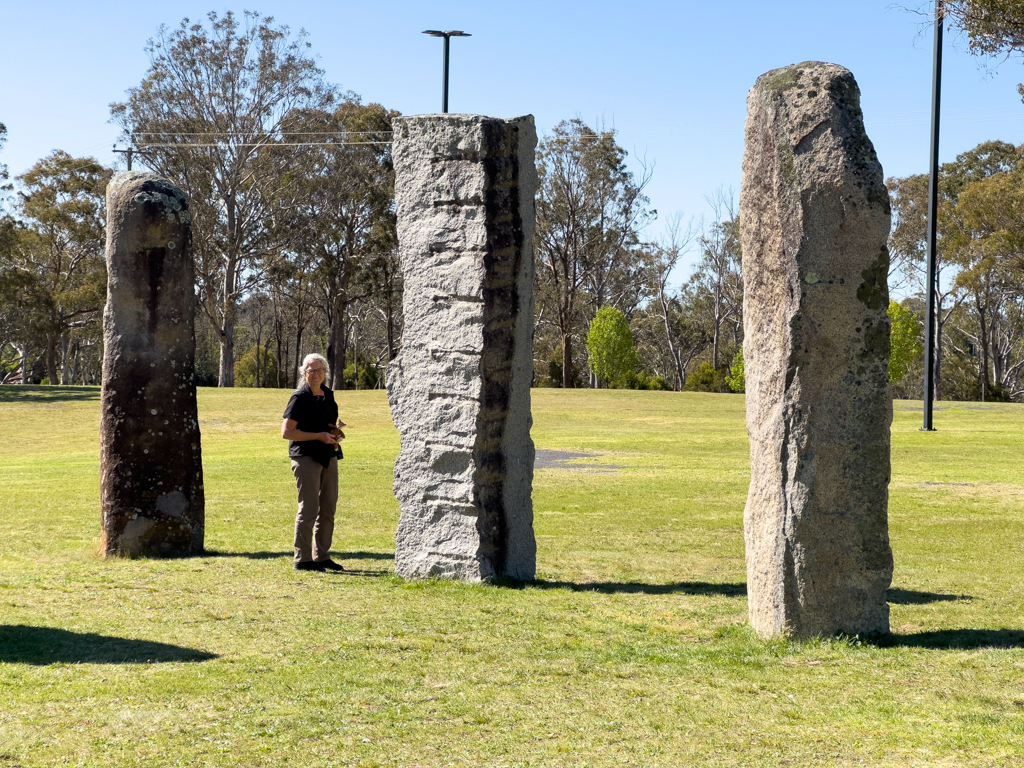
column 31, row 394
column 44, row 645
column 954, row 639
column 289, row 554
column 913, row 597
column 637, row 588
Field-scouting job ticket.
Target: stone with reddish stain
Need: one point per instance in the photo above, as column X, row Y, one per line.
column 151, row 474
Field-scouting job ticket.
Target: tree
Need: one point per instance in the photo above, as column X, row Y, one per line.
column 345, row 211
column 663, row 261
column 736, row 379
column 989, row 246
column 717, row 281
column 56, row 252
column 212, row 114
column 589, row 210
column 610, row 345
column 907, row 346
column 993, row 27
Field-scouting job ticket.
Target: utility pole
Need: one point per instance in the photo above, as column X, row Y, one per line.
column 127, row 154
column 444, row 75
column 933, row 208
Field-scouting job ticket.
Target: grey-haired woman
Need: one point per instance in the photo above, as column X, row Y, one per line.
column 312, row 428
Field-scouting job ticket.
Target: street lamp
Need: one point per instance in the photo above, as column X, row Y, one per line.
column 933, row 209
column 446, row 35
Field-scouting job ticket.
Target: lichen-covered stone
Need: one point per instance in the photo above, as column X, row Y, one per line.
column 460, row 387
column 814, row 214
column 151, row 474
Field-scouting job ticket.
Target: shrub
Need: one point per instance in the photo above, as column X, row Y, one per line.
column 736, row 379
column 707, row 379
column 245, row 368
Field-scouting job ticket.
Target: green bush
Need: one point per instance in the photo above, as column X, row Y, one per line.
column 245, row 368
column 610, row 346
column 641, row 380
column 907, row 345
column 370, row 376
column 736, row 379
column 707, row 379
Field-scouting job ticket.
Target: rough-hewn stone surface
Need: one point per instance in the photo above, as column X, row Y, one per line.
column 151, row 475
column 460, row 388
column 815, row 216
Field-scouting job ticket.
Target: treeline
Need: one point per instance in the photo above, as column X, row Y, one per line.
column 292, row 195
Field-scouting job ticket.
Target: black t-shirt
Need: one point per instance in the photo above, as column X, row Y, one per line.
column 313, row 414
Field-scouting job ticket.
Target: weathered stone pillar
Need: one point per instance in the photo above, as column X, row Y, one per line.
column 460, row 387
column 814, row 213
column 151, row 473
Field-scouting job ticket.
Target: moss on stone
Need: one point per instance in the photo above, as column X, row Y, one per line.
column 874, row 292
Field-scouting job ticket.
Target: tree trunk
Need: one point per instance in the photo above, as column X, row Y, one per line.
column 338, row 342
column 566, row 361
column 226, row 376
column 51, row 358
column 65, row 367
column 24, row 364
column 986, row 384
column 668, row 337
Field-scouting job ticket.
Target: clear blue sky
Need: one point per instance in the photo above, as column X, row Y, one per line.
column 671, row 77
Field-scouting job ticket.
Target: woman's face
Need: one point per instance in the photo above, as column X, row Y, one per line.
column 314, row 373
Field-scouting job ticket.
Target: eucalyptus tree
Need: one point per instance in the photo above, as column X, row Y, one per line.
column 53, row 256
column 590, row 208
column 717, row 281
column 345, row 212
column 212, row 114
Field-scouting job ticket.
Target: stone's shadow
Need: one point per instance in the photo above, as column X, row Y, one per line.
column 636, row 588
column 954, row 639
column 36, row 394
column 913, row 597
column 21, row 644
column 288, row 554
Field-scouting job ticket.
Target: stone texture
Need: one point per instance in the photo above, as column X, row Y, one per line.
column 151, row 474
column 815, row 217
column 460, row 387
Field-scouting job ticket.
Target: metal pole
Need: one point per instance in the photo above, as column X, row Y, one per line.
column 444, row 87
column 933, row 207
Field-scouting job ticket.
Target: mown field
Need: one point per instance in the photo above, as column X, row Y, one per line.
column 631, row 647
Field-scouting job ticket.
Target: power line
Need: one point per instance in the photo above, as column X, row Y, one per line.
column 145, row 147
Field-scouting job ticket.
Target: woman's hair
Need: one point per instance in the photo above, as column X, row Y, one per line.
column 314, row 357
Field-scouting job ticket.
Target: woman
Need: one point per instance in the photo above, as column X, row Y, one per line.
column 312, row 428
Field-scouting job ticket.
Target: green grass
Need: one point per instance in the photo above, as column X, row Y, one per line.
column 631, row 648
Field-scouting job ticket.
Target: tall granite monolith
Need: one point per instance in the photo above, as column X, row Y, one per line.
column 460, row 387
column 814, row 213
column 151, row 473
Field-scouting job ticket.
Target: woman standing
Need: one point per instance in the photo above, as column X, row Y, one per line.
column 312, row 428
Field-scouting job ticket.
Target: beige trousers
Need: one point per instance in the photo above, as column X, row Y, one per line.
column 318, row 498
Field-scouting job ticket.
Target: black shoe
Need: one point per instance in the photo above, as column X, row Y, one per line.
column 329, row 565
column 309, row 565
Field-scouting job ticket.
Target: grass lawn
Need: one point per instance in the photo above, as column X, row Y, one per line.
column 630, row 649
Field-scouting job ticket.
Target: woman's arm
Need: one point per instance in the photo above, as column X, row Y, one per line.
column 289, row 432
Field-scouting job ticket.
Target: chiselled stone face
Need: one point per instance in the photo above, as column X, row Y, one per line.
column 460, row 388
column 150, row 459
column 815, row 219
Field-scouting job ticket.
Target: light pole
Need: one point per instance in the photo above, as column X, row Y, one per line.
column 933, row 208
column 446, row 35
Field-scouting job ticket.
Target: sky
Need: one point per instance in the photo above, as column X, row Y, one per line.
column 671, row 77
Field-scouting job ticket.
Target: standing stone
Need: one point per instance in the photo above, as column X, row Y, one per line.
column 460, row 388
column 151, row 473
column 814, row 213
